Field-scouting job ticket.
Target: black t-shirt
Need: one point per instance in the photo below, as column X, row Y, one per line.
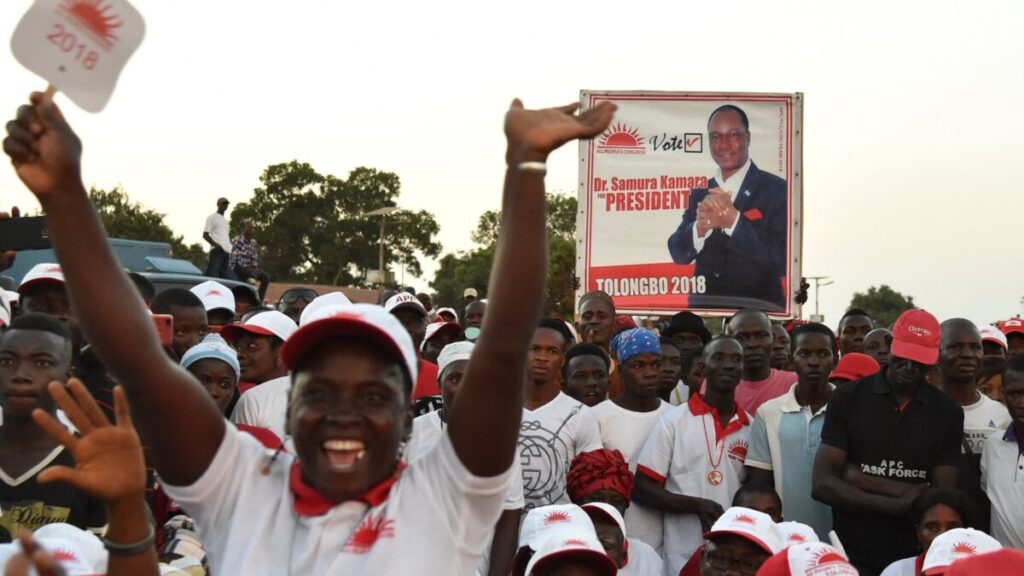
column 865, row 420
column 28, row 504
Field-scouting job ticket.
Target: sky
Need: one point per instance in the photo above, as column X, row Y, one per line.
column 911, row 132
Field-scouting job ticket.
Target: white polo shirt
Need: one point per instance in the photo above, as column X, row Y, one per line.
column 686, row 444
column 427, row 431
column 434, row 519
column 626, row 431
column 265, row 405
column 1002, row 478
column 217, row 227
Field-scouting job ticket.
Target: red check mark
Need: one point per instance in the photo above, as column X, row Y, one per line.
column 692, row 141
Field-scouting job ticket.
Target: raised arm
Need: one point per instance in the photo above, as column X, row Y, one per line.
column 489, row 404
column 46, row 154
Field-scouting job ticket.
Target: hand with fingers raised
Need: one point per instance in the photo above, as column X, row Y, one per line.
column 45, row 151
column 108, row 457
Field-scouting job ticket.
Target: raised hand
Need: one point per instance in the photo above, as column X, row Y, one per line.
column 108, row 458
column 533, row 134
column 45, row 152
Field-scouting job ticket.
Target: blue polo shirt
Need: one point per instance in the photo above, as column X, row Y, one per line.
column 784, row 439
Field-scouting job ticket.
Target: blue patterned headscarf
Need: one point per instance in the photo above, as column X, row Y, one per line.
column 636, row 341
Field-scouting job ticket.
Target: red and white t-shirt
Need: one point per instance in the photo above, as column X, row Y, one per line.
column 433, row 518
column 690, row 453
column 265, row 406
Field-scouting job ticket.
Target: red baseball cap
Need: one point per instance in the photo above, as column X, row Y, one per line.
column 915, row 336
column 811, row 559
column 854, row 366
column 1012, row 326
column 1005, row 561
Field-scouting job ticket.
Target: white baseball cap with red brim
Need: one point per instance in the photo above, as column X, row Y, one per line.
column 45, row 273
column 993, row 334
column 794, row 533
column 810, row 559
column 956, row 544
column 329, row 299
column 215, row 296
column 749, row 524
column 270, row 323
column 367, row 322
column 576, row 538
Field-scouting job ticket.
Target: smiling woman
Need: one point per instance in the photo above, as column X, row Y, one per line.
column 345, row 503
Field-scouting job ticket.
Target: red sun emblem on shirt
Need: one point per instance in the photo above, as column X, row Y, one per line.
column 95, row 17
column 575, row 542
column 621, row 136
column 555, row 517
column 964, row 549
column 738, row 451
column 64, row 555
column 371, row 529
column 745, row 519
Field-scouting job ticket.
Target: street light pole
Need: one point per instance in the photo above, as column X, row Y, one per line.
column 382, row 212
column 818, row 283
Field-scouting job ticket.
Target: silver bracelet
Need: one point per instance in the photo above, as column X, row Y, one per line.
column 538, row 167
column 134, row 548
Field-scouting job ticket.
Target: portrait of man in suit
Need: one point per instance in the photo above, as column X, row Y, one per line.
column 735, row 231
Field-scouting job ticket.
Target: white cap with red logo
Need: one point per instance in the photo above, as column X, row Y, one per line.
column 811, row 559
column 541, row 520
column 45, row 273
column 404, row 300
column 796, row 533
column 751, row 525
column 993, row 334
column 329, row 299
column 367, row 322
column 270, row 323
column 77, row 551
column 956, row 544
column 215, row 296
column 560, row 531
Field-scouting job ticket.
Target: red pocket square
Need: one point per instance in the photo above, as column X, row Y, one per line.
column 753, row 215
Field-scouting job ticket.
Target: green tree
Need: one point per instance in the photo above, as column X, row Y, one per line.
column 472, row 268
column 312, row 227
column 124, row 218
column 882, row 303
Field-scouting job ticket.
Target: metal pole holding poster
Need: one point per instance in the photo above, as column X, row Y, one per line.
column 693, row 201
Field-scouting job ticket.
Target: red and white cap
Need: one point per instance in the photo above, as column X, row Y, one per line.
column 77, row 551
column 329, row 299
column 45, row 273
column 811, row 559
column 750, row 524
column 993, row 334
column 270, row 323
column 435, row 327
column 1012, row 326
column 578, row 540
column 215, row 296
column 915, row 336
column 367, row 321
column 601, row 508
column 1003, row 561
column 451, row 311
column 541, row 521
column 956, row 544
column 404, row 300
column 794, row 533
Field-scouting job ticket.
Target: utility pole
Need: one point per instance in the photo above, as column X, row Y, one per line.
column 820, row 281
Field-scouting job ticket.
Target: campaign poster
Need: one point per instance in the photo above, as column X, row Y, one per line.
column 692, row 201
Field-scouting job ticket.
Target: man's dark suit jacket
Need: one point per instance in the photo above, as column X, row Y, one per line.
column 751, row 263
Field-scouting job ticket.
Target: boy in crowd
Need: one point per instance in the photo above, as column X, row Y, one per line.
column 854, row 327
column 35, row 351
column 760, row 382
column 341, row 504
column 671, row 370
column 190, row 322
column 877, row 344
column 626, row 420
column 692, row 463
column 264, row 402
column 787, row 430
column 555, row 427
column 219, row 302
column 585, row 373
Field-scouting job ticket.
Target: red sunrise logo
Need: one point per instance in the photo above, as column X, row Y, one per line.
column 798, row 538
column 621, row 136
column 64, row 555
column 369, row 531
column 96, row 17
column 964, row 549
column 738, row 450
column 556, row 517
column 828, row 557
column 744, row 519
column 575, row 542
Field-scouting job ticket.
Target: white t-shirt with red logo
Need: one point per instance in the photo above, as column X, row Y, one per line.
column 687, row 444
column 435, row 519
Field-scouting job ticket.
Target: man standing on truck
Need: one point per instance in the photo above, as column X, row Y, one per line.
column 216, row 233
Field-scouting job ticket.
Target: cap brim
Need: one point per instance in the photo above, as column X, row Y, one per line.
column 1013, row 330
column 995, row 341
column 409, row 306
column 316, row 332
column 37, row 282
column 843, row 375
column 745, row 535
column 445, row 327
column 910, row 351
column 233, row 332
column 600, row 558
column 936, row 571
